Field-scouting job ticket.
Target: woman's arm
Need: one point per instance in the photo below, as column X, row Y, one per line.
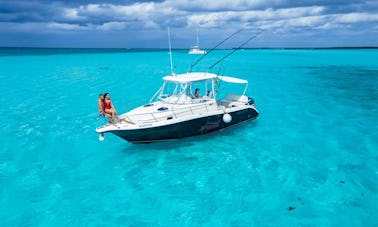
column 100, row 106
column 115, row 111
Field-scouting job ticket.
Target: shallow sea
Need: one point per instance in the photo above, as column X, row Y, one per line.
column 310, row 159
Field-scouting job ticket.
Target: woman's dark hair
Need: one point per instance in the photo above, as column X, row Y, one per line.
column 105, row 95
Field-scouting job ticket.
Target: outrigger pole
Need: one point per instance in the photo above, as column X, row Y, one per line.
column 235, row 49
column 208, row 52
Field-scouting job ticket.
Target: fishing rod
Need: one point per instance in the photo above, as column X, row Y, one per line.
column 199, row 59
column 170, row 51
column 235, row 49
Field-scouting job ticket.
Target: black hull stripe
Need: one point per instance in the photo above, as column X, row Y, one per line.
column 209, row 133
column 195, row 127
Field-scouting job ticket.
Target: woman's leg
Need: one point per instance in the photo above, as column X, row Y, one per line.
column 110, row 113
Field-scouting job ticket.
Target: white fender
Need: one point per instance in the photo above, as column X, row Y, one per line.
column 101, row 137
column 227, row 118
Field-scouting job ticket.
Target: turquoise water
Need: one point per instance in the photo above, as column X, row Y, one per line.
column 310, row 159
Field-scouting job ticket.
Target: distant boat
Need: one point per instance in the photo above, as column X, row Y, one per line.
column 196, row 48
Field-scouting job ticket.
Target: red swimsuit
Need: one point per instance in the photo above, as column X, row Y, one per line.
column 108, row 105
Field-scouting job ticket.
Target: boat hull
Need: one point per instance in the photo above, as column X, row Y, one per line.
column 194, row 127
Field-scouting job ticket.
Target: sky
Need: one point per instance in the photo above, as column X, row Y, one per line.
column 144, row 23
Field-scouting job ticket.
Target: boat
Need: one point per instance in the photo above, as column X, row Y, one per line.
column 196, row 48
column 174, row 112
column 178, row 109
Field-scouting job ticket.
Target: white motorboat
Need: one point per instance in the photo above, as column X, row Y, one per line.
column 196, row 48
column 174, row 112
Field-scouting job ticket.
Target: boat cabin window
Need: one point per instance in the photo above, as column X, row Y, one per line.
column 201, row 89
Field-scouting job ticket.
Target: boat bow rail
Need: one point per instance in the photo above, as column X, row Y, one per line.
column 168, row 112
column 198, row 107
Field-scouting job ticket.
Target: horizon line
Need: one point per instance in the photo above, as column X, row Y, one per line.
column 159, row 48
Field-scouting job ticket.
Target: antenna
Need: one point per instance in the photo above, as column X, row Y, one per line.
column 208, row 52
column 170, row 52
column 235, row 49
column 197, row 37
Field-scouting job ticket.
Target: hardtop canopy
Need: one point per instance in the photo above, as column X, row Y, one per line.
column 234, row 80
column 201, row 76
column 190, row 77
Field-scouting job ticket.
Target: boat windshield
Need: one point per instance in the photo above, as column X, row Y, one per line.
column 180, row 93
column 185, row 89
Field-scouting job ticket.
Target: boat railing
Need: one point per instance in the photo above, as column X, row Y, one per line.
column 170, row 114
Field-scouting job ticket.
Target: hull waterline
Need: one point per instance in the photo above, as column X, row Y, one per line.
column 194, row 127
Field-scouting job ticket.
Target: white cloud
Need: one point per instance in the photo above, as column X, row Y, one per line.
column 211, row 5
column 356, row 17
column 149, row 15
column 145, row 14
column 184, row 15
column 137, row 10
column 112, row 26
column 72, row 14
column 305, row 21
column 293, row 15
column 124, row 12
column 299, row 11
column 329, row 25
column 64, row 26
column 151, row 24
column 93, row 8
